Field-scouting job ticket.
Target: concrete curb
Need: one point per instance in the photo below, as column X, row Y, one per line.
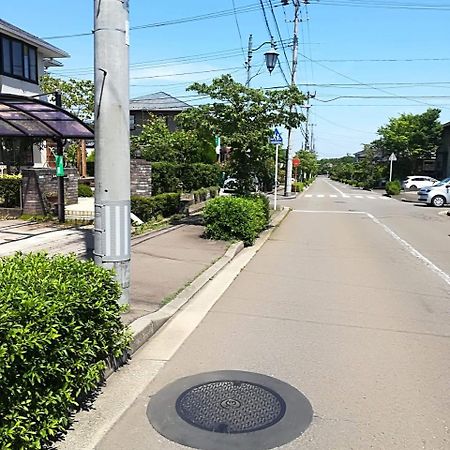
column 146, row 326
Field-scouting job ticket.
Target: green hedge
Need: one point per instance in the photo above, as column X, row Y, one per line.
column 59, row 322
column 10, row 191
column 393, row 187
column 298, row 186
column 84, row 190
column 149, row 208
column 172, row 177
column 236, row 218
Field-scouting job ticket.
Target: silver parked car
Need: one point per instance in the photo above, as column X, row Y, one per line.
column 436, row 195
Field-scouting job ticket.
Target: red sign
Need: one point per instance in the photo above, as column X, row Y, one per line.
column 295, row 162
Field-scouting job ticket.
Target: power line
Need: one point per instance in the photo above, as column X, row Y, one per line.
column 184, row 73
column 279, row 35
column 182, row 20
column 366, row 84
column 383, row 5
column 238, row 27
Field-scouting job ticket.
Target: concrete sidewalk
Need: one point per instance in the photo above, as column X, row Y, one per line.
column 165, row 262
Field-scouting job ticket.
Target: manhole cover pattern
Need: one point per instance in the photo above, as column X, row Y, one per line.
column 230, row 407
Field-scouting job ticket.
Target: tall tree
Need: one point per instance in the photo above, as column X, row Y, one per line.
column 243, row 118
column 77, row 95
column 308, row 162
column 156, row 142
column 412, row 137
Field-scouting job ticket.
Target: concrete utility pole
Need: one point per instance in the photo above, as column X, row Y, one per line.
column 287, row 180
column 249, row 60
column 112, row 236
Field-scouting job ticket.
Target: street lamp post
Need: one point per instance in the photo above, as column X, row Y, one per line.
column 271, row 57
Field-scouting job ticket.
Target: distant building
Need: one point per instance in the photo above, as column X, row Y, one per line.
column 159, row 104
column 442, row 155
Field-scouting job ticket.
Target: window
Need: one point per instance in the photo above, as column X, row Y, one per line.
column 18, row 59
column 6, row 53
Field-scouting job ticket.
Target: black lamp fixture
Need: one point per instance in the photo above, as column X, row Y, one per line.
column 271, row 59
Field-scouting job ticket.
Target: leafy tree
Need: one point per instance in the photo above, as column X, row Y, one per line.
column 412, row 137
column 157, row 143
column 77, row 96
column 244, row 119
column 308, row 162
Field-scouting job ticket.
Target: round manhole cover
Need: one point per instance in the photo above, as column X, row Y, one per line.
column 230, row 406
column 230, row 409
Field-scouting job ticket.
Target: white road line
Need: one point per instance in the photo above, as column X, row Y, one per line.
column 320, row 195
column 333, row 195
column 439, row 272
column 371, row 197
column 413, row 251
column 335, row 188
column 308, row 195
column 358, row 196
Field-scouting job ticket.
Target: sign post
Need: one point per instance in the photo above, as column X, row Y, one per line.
column 392, row 158
column 276, row 139
column 295, row 163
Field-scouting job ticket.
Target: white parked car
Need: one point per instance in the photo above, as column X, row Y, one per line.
column 230, row 184
column 437, row 195
column 414, row 182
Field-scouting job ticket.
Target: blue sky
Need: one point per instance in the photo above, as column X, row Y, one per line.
column 339, row 41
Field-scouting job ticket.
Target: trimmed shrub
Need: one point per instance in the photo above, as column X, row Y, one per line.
column 393, row 187
column 149, row 208
column 235, row 218
column 201, row 195
column 213, row 191
column 84, row 190
column 298, row 186
column 59, row 322
column 10, row 191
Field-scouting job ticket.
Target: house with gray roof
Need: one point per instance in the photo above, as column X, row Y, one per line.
column 159, row 104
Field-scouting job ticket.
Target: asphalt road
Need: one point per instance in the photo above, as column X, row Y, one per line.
column 348, row 301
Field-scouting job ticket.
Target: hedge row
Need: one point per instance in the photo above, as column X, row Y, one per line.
column 172, row 177
column 10, row 191
column 236, row 218
column 59, row 322
column 149, row 208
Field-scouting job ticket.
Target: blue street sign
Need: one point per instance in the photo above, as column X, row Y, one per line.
column 276, row 138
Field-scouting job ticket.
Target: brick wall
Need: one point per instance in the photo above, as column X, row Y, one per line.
column 40, row 189
column 141, row 177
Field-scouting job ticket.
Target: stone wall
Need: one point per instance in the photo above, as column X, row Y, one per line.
column 40, row 189
column 141, row 177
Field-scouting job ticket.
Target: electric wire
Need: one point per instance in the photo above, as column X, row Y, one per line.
column 280, row 36
column 238, row 27
column 181, row 20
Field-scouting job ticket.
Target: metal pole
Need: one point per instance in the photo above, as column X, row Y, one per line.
column 112, row 238
column 276, row 178
column 60, row 152
column 249, row 59
column 287, row 181
column 307, row 146
column 390, row 170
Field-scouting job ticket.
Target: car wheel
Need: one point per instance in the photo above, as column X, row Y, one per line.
column 438, row 201
column 413, row 187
